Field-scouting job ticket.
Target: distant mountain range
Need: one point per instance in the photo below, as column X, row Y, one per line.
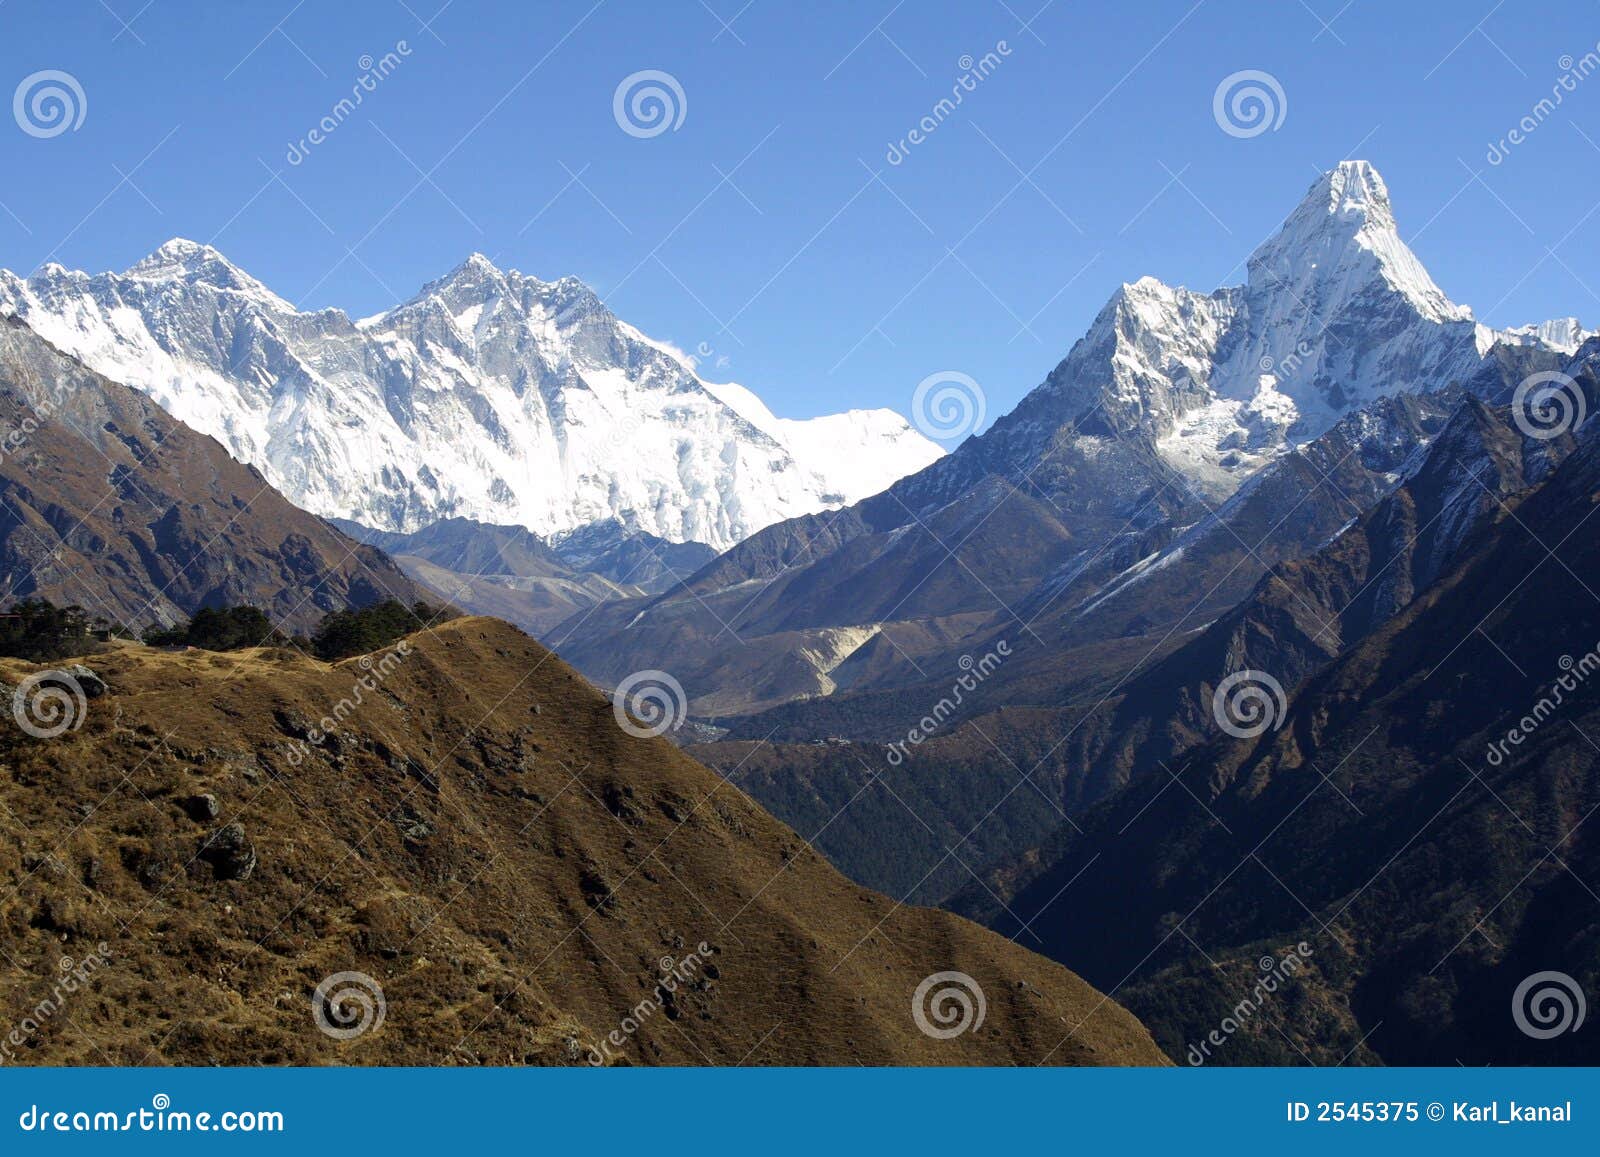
column 1186, row 443
column 490, row 395
column 513, row 574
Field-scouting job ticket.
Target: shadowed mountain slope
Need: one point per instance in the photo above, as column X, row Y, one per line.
column 107, row 501
column 1420, row 816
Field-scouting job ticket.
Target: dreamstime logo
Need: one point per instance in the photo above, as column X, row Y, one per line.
column 1573, row 73
column 1548, row 1004
column 1248, row 103
column 48, row 103
column 160, row 1117
column 1547, row 405
column 648, row 103
column 1248, row 703
column 1275, row 974
column 948, row 404
column 1575, row 673
column 72, row 975
column 674, row 974
column 348, row 1004
column 49, row 704
column 973, row 672
column 374, row 673
column 650, row 703
column 973, row 73
column 948, row 1004
column 372, row 73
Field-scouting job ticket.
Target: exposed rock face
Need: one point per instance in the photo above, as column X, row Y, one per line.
column 229, row 852
column 85, row 680
column 201, row 808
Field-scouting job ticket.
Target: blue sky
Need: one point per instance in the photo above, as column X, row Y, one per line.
column 768, row 230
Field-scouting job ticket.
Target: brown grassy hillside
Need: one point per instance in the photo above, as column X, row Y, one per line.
column 477, row 836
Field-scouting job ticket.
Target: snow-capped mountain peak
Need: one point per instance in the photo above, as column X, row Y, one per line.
column 490, row 395
column 1343, row 240
column 476, row 275
column 1352, row 195
column 178, row 256
column 1335, row 312
column 196, row 263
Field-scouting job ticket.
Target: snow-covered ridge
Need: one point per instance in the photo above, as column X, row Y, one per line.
column 1562, row 334
column 489, row 395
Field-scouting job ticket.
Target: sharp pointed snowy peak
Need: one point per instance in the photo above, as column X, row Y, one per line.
column 1343, row 243
column 1335, row 312
column 489, row 395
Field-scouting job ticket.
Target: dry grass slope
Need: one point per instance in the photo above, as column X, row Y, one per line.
column 481, row 838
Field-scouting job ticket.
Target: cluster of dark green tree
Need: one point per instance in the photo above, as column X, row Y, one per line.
column 40, row 631
column 345, row 633
column 339, row 635
column 220, row 629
